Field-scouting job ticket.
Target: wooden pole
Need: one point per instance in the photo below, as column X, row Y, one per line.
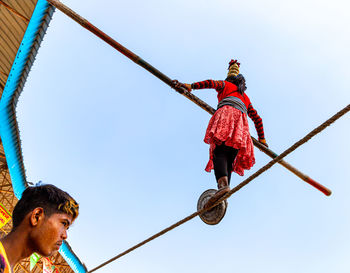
column 294, row 170
column 132, row 56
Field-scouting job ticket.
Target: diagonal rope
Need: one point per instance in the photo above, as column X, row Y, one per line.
column 238, row 187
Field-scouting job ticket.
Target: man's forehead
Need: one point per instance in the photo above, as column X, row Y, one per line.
column 63, row 216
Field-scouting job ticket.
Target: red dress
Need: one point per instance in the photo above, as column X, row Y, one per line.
column 230, row 126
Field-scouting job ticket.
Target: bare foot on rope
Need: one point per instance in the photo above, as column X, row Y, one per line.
column 220, row 193
column 223, row 188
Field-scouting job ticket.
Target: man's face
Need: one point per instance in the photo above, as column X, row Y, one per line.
column 49, row 235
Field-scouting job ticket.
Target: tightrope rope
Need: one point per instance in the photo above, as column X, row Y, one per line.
column 238, row 187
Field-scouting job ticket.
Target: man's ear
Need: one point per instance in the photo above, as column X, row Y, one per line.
column 36, row 216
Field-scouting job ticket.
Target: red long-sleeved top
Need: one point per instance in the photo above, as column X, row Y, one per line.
column 225, row 89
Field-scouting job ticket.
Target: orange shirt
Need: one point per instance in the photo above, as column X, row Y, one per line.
column 4, row 263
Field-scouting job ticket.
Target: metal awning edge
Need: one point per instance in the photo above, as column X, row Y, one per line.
column 9, row 131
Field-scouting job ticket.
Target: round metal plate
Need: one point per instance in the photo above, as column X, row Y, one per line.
column 215, row 215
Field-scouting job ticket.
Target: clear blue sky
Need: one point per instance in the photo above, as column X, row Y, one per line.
column 130, row 149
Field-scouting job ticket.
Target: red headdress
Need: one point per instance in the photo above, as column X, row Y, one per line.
column 234, row 62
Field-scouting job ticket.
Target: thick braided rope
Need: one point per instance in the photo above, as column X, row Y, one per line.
column 238, row 187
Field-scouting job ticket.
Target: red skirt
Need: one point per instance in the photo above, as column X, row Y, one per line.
column 230, row 126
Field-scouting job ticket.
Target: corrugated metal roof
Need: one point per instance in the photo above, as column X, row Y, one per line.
column 19, row 42
column 12, row 28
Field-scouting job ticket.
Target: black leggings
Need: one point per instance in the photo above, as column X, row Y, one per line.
column 223, row 158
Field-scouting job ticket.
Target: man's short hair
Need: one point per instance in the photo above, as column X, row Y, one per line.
column 49, row 197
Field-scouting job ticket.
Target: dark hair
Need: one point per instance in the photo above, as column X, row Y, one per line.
column 239, row 81
column 49, row 197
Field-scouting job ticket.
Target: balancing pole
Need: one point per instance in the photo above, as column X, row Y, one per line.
column 132, row 56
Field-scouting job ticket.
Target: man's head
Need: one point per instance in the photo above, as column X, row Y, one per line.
column 45, row 214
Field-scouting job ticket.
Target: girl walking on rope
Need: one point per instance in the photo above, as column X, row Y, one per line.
column 231, row 147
